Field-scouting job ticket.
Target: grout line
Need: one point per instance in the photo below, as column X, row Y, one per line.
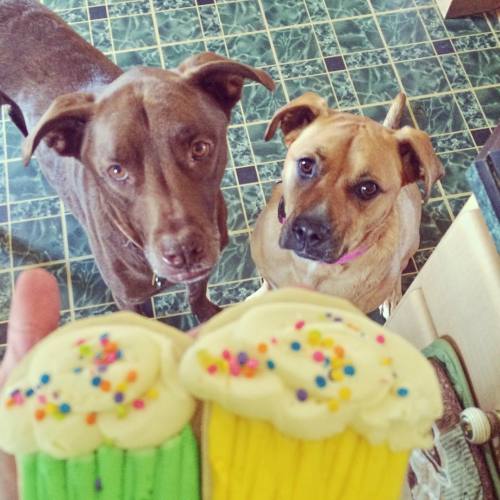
column 157, row 33
column 7, row 199
column 67, row 264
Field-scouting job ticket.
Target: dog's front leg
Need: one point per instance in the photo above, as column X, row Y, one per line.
column 202, row 308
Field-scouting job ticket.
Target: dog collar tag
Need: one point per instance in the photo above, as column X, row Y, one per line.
column 158, row 282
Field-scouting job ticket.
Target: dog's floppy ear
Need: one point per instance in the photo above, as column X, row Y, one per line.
column 296, row 115
column 419, row 160
column 62, row 125
column 222, row 78
column 395, row 113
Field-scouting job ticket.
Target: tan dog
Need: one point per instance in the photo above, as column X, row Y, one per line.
column 345, row 220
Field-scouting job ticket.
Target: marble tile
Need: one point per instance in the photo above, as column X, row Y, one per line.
column 319, row 84
column 260, row 104
column 435, row 222
column 438, row 115
column 37, row 241
column 295, row 44
column 483, row 67
column 241, row 17
column 423, row 76
column 211, row 21
column 235, row 216
column 456, row 164
column 347, row 8
column 228, row 294
column 132, row 32
column 5, row 293
column 146, row 57
column 88, row 287
column 235, row 262
column 253, row 201
column 375, row 84
column 402, row 28
column 174, row 55
column 281, row 13
column 490, row 102
column 179, row 25
column 358, row 35
column 254, row 50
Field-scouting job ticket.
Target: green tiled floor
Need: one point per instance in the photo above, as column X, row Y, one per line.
column 356, row 53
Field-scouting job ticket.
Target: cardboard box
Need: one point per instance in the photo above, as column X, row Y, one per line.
column 458, row 8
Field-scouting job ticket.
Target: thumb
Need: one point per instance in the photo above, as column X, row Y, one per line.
column 34, row 313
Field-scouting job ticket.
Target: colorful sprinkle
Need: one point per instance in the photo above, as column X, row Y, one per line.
column 242, row 358
column 349, row 370
column 336, row 374
column 234, row 370
column 339, row 351
column 380, row 339
column 105, row 386
column 138, row 404
column 39, row 414
column 78, row 369
column 152, row 394
column 80, row 342
column 403, row 392
column 328, row 342
column 131, row 376
column 45, row 378
column 119, row 354
column 301, row 394
column 226, row 354
column 121, row 387
column 121, row 411
column 386, row 361
column 85, row 350
column 295, row 346
column 345, row 393
column 333, row 405
column 212, row 369
column 262, row 348
column 270, row 364
column 29, row 393
column 318, row 356
column 65, row 408
column 119, row 397
column 18, row 398
column 314, row 337
column 248, row 372
column 96, row 381
column 51, row 409
column 320, row 381
column 102, row 369
column 91, row 418
column 274, row 340
column 326, row 362
column 42, row 399
column 299, row 325
column 253, row 363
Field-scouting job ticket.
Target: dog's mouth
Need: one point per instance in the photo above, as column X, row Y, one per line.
column 189, row 276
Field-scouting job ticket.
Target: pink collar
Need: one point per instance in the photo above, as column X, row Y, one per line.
column 348, row 257
column 354, row 254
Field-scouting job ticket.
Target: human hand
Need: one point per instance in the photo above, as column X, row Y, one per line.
column 34, row 313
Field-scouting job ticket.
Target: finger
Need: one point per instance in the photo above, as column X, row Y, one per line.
column 34, row 313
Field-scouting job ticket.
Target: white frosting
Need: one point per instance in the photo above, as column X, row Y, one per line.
column 380, row 386
column 136, row 402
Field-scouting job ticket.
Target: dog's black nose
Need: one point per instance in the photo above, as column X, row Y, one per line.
column 309, row 232
column 183, row 254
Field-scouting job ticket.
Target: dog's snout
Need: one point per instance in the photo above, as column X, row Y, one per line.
column 182, row 254
column 310, row 232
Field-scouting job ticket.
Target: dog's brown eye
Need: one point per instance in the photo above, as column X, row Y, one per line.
column 366, row 190
column 200, row 149
column 306, row 167
column 117, row 172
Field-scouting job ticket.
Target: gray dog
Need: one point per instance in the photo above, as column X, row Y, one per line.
column 137, row 156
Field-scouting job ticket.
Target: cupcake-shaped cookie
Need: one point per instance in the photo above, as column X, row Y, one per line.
column 306, row 398
column 96, row 412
